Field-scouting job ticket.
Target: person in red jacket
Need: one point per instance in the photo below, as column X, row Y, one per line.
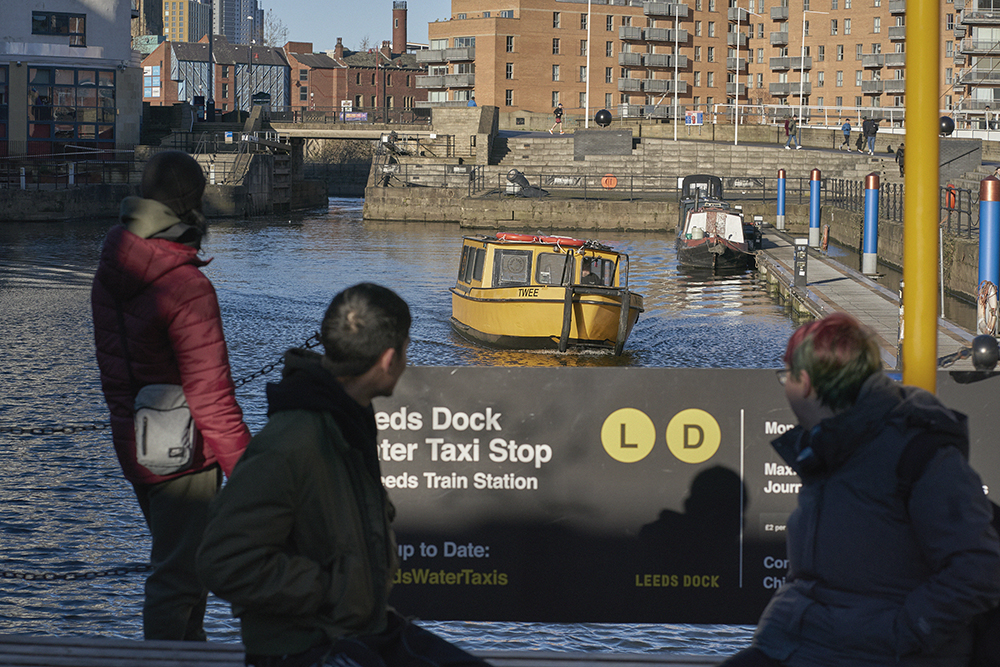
column 157, row 321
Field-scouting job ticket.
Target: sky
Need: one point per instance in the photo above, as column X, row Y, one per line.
column 323, row 21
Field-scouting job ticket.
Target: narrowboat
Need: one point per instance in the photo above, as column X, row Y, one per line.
column 525, row 291
column 710, row 233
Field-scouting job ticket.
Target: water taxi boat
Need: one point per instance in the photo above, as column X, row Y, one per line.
column 524, row 291
column 711, row 234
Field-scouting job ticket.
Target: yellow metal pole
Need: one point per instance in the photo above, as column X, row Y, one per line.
column 920, row 252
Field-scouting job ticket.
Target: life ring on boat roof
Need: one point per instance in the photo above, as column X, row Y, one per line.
column 508, row 236
column 563, row 241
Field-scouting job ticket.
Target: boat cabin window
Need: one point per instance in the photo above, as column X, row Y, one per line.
column 511, row 267
column 554, row 269
column 600, row 271
column 471, row 266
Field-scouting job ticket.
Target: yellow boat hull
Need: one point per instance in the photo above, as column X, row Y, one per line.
column 533, row 317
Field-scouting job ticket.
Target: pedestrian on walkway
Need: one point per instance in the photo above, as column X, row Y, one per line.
column 793, row 133
column 879, row 574
column 846, row 129
column 900, row 158
column 158, row 328
column 872, row 131
column 558, row 113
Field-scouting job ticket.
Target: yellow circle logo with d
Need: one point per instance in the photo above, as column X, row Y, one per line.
column 693, row 436
column 628, row 435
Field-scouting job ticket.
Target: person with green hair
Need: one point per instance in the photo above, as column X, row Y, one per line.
column 875, row 577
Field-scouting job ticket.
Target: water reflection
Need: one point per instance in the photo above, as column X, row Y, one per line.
column 63, row 504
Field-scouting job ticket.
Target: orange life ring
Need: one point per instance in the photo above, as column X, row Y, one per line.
column 563, row 241
column 950, row 197
column 508, row 236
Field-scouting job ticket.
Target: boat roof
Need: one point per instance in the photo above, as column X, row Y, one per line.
column 540, row 239
column 705, row 184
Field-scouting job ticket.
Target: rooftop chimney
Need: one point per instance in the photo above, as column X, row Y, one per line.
column 338, row 51
column 399, row 26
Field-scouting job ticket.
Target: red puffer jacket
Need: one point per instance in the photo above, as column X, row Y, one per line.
column 174, row 330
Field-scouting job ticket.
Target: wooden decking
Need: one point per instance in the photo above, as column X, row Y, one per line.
column 39, row 651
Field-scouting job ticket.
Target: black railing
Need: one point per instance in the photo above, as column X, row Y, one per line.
column 349, row 115
column 68, row 170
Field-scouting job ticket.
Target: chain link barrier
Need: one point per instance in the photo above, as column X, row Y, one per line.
column 310, row 342
column 74, row 576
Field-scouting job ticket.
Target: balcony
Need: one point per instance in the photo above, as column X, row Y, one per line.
column 663, row 61
column 737, row 64
column 978, row 17
column 736, row 89
column 897, row 32
column 630, row 33
column 459, row 80
column 665, row 9
column 798, row 63
column 430, row 56
column 872, row 61
column 960, row 31
column 897, row 6
column 738, row 40
column 656, row 86
column 779, row 38
column 977, row 46
column 894, row 86
column 457, row 54
column 667, row 35
column 895, row 60
column 871, row 88
column 780, row 63
column 789, row 88
column 779, row 13
column 630, row 59
column 630, row 85
column 738, row 15
column 430, row 81
column 977, row 76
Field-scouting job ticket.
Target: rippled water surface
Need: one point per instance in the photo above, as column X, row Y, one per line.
column 64, row 507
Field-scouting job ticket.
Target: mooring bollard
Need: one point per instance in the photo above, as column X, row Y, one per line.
column 814, row 186
column 779, row 220
column 800, row 261
column 869, row 256
column 989, row 230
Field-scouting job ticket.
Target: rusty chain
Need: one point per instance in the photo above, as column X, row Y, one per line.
column 310, row 342
column 74, row 576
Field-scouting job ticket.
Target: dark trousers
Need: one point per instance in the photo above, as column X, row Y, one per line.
column 751, row 657
column 403, row 644
column 176, row 512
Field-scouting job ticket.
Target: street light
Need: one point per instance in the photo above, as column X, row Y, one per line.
column 673, row 85
column 250, row 63
column 802, row 63
column 739, row 15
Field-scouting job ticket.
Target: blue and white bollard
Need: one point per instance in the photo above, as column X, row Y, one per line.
column 779, row 220
column 989, row 230
column 814, row 189
column 869, row 256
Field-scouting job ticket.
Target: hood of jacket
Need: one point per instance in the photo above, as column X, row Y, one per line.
column 130, row 262
column 881, row 403
column 308, row 382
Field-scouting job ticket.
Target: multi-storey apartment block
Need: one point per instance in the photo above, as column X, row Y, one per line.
column 975, row 83
column 832, row 58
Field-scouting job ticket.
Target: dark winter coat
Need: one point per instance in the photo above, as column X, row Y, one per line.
column 299, row 540
column 174, row 336
column 872, row 580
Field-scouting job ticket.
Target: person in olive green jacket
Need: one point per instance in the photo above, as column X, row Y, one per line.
column 299, row 540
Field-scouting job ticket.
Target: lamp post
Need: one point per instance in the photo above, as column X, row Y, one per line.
column 802, row 63
column 250, row 64
column 739, row 15
column 673, row 84
column 586, row 95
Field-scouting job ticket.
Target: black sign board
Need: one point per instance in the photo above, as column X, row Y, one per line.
column 624, row 495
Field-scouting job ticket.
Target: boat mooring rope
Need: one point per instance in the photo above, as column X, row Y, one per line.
column 310, row 342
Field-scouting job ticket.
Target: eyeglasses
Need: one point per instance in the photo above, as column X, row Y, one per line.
column 782, row 375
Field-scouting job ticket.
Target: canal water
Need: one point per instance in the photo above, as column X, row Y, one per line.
column 64, row 508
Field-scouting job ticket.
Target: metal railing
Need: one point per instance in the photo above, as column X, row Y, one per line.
column 350, row 115
column 63, row 171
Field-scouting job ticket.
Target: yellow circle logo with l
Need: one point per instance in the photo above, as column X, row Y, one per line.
column 693, row 436
column 628, row 435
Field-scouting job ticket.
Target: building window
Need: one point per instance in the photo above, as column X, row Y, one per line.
column 839, row 101
column 697, row 28
column 225, row 91
column 555, row 46
column 465, row 42
column 710, row 79
column 583, row 102
column 555, row 98
column 583, row 47
column 583, row 21
column 555, row 72
column 858, row 101
column 857, row 77
column 760, row 31
column 508, row 98
column 760, row 80
column 949, row 21
column 833, row 4
column 805, row 28
column 374, row 102
column 878, row 3
column 697, row 54
column 820, row 53
column 847, row 26
column 151, row 81
column 697, row 79
column 857, row 51
column 303, row 75
column 510, row 44
column 510, row 71
column 359, row 103
column 74, row 106
column 949, row 49
column 877, row 24
column 711, row 28
column 805, row 5
column 711, row 54
column 555, row 19
column 609, row 49
column 507, row 14
column 840, row 79
column 609, row 75
column 608, row 99
column 711, row 5
column 73, row 26
column 609, row 23
column 583, row 72
column 820, row 79
column 840, row 51
column 304, row 94
column 833, row 27
column 760, row 56
column 460, row 17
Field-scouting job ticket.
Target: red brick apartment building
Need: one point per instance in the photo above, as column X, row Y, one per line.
column 831, row 56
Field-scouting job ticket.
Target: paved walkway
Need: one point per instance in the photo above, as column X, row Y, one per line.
column 831, row 286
